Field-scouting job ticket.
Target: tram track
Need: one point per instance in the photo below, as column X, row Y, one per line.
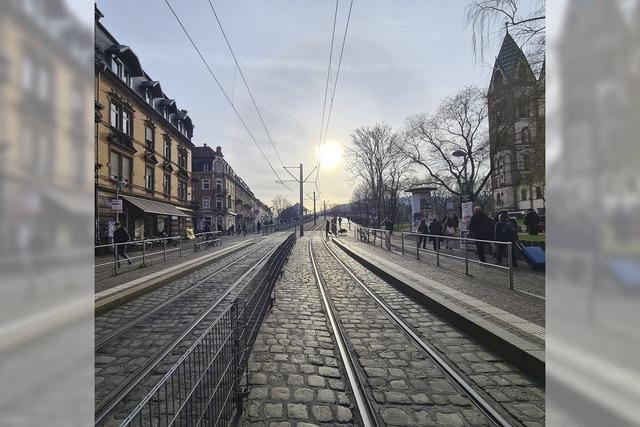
column 372, row 410
column 161, row 333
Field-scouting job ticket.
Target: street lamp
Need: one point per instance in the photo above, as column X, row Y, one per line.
column 463, row 154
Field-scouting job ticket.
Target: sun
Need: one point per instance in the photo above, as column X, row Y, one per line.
column 330, row 155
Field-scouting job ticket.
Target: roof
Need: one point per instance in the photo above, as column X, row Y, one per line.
column 151, row 206
column 509, row 55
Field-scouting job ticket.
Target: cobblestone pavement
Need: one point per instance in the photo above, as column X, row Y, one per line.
column 123, row 356
column 503, row 384
column 485, row 283
column 294, row 370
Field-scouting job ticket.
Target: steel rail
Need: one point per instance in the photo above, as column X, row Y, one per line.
column 124, row 388
column 356, row 381
column 493, row 415
column 124, row 328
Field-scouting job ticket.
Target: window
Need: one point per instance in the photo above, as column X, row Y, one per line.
column 148, row 177
column 166, row 184
column 523, row 194
column 121, row 71
column 206, row 203
column 149, row 137
column 180, row 126
column 219, row 203
column 219, row 184
column 147, row 96
column 182, row 158
column 206, row 184
column 120, row 166
column 207, row 220
column 538, row 193
column 120, row 118
column 219, row 166
column 525, row 161
column 167, row 149
column 206, row 167
column 182, row 190
column 165, row 113
column 525, row 136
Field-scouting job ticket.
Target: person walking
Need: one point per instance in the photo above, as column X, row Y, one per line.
column 450, row 231
column 231, row 229
column 326, row 228
column 480, row 228
column 435, row 228
column 531, row 221
column 258, row 227
column 423, row 229
column 244, row 229
column 120, row 238
column 505, row 233
column 334, row 226
column 339, row 223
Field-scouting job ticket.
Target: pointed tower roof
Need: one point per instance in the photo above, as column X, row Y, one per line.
column 510, row 54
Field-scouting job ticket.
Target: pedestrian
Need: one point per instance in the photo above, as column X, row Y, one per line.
column 259, row 227
column 505, row 233
column 480, row 228
column 326, row 228
column 450, row 231
column 120, row 238
column 423, row 229
column 340, row 222
column 231, row 229
column 435, row 228
column 334, row 226
column 531, row 221
column 244, row 229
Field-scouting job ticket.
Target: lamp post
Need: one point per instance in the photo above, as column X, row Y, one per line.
column 463, row 154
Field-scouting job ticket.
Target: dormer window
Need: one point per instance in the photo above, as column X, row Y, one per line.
column 165, row 113
column 181, row 127
column 121, row 71
column 147, row 96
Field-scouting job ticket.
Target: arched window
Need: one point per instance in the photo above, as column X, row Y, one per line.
column 506, row 162
column 523, row 194
column 525, row 161
column 498, row 200
column 525, row 135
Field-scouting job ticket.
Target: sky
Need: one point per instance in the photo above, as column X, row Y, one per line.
column 400, row 58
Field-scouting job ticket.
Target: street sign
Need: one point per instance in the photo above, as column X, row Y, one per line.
column 116, row 205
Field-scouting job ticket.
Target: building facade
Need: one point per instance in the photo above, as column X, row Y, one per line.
column 516, row 107
column 143, row 146
column 224, row 199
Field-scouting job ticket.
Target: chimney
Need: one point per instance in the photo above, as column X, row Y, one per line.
column 205, row 144
column 219, row 151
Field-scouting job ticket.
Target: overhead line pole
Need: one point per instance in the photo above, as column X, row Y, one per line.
column 301, row 180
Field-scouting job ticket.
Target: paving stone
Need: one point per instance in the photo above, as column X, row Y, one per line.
column 297, row 410
column 421, row 399
column 398, row 384
column 257, row 378
column 449, row 420
column 327, row 396
column 303, row 395
column 322, row 413
column 280, row 393
column 295, row 379
column 273, row 410
column 344, row 415
column 375, row 372
column 397, row 397
column 529, row 410
column 326, row 371
column 258, row 393
column 395, row 416
column 424, row 418
column 336, row 384
column 254, row 409
column 316, row 381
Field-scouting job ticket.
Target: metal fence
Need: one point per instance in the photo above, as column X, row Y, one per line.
column 371, row 235
column 205, row 387
column 153, row 249
column 464, row 241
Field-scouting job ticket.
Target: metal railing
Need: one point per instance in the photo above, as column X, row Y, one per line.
column 364, row 234
column 464, row 241
column 207, row 384
column 154, row 249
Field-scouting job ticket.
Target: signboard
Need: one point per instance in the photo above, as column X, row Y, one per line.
column 466, row 197
column 467, row 211
column 116, row 205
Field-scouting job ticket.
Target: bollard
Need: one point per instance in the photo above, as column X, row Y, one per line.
column 180, row 243
column 115, row 258
column 510, row 255
column 437, row 240
column 417, row 247
column 466, row 257
column 144, row 250
column 402, row 239
column 164, row 249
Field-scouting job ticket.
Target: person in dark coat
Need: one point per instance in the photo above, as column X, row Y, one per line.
column 435, row 228
column 531, row 221
column 480, row 228
column 259, row 227
column 231, row 228
column 334, row 226
column 244, row 229
column 423, row 229
column 120, row 237
column 327, row 228
column 505, row 233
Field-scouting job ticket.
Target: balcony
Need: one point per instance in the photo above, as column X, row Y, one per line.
column 121, row 139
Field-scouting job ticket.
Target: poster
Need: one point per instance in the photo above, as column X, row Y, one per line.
column 467, row 211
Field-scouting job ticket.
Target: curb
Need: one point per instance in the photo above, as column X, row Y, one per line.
column 116, row 296
column 523, row 354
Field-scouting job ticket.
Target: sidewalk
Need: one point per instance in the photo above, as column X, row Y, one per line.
column 482, row 304
column 104, row 278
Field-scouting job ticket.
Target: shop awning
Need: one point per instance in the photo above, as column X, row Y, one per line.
column 151, row 206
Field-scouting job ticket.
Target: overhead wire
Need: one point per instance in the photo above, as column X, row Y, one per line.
column 244, row 80
column 335, row 83
column 226, row 95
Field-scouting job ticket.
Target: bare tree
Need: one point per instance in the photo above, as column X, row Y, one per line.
column 527, row 29
column 460, row 126
column 376, row 159
column 280, row 203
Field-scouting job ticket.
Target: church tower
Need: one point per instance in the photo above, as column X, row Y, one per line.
column 516, row 136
